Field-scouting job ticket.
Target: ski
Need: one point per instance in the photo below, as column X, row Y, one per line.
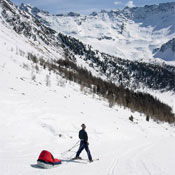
column 81, row 159
column 96, row 159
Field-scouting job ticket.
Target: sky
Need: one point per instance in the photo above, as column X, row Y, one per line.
column 85, row 6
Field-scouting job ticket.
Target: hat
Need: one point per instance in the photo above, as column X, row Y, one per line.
column 83, row 125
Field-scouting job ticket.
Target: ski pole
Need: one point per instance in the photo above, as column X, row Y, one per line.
column 76, row 144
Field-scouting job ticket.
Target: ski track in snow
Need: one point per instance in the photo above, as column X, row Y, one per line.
column 132, row 161
column 113, row 168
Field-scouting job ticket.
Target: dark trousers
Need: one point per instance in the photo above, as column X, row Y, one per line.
column 84, row 145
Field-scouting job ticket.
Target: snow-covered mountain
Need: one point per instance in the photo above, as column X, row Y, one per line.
column 131, row 33
column 167, row 51
column 51, row 45
column 38, row 36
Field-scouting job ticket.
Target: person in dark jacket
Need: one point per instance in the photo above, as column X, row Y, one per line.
column 83, row 143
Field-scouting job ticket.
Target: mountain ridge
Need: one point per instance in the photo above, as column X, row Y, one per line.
column 131, row 33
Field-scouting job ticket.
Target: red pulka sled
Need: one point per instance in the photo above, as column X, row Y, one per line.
column 46, row 160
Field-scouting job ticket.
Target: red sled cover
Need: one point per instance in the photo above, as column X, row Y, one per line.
column 46, row 158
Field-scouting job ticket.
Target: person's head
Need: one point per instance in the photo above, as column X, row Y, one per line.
column 83, row 126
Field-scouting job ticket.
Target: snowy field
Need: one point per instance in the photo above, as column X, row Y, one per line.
column 40, row 111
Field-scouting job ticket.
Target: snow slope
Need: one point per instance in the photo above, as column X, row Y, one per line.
column 131, row 33
column 40, row 110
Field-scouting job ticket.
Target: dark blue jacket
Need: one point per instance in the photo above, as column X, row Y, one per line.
column 83, row 135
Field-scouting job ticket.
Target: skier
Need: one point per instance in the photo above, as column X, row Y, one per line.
column 83, row 143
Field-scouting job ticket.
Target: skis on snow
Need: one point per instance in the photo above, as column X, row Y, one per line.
column 86, row 160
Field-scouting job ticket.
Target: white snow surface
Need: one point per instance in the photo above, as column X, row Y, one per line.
column 36, row 116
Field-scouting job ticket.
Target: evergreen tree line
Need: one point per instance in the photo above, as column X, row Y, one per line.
column 136, row 101
column 154, row 76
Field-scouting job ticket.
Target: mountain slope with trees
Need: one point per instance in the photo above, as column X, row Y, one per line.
column 106, row 75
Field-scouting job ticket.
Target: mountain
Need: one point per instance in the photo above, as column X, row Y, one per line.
column 54, row 46
column 36, row 34
column 113, row 78
column 167, row 51
column 131, row 33
column 134, row 75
